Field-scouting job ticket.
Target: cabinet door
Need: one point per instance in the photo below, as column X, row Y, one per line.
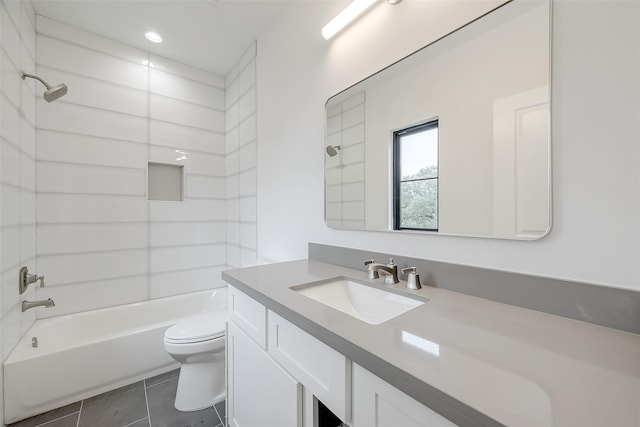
column 259, row 392
column 376, row 403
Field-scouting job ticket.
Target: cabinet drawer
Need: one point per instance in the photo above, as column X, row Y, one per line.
column 249, row 315
column 322, row 370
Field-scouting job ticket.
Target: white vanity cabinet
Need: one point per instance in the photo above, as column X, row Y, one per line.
column 259, row 392
column 377, row 403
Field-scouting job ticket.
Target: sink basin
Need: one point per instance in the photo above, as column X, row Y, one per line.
column 360, row 300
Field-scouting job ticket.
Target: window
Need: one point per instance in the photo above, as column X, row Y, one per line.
column 415, row 178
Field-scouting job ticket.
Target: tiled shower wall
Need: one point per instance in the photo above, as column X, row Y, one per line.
column 17, row 167
column 240, row 105
column 100, row 242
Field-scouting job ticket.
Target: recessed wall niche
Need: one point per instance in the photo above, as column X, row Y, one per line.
column 165, row 182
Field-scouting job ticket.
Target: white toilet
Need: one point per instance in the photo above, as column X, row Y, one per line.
column 197, row 342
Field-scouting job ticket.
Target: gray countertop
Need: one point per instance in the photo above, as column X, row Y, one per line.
column 475, row 361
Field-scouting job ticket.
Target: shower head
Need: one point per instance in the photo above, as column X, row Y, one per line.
column 332, row 150
column 53, row 92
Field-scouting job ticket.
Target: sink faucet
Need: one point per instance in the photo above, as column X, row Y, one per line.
column 390, row 270
column 26, row 305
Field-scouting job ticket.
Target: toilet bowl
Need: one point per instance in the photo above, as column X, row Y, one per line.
column 197, row 342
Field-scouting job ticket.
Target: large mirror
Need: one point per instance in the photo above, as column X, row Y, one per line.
column 454, row 139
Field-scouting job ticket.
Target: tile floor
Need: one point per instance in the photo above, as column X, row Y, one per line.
column 147, row 403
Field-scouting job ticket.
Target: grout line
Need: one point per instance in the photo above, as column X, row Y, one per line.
column 80, row 412
column 162, row 382
column 59, row 418
column 137, row 421
column 146, row 400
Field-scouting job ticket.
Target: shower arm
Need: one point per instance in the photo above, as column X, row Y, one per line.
column 25, row 75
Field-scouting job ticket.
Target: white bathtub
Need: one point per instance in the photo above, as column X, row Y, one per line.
column 81, row 355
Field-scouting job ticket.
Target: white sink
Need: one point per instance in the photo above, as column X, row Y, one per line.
column 362, row 301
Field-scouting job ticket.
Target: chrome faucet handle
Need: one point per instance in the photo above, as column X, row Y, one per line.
column 392, row 262
column 371, row 273
column 26, row 278
column 413, row 278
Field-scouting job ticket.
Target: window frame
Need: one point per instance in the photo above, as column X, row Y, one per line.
column 397, row 180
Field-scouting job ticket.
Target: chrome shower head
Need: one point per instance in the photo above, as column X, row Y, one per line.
column 332, row 150
column 53, row 92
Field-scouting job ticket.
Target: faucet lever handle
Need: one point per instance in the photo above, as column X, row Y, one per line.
column 392, row 262
column 368, row 261
column 408, row 270
column 41, row 278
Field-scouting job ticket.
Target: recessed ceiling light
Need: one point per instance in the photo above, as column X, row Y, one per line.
column 153, row 37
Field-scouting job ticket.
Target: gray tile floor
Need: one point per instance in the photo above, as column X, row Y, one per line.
column 147, row 403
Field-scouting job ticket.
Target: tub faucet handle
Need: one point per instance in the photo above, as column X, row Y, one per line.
column 27, row 278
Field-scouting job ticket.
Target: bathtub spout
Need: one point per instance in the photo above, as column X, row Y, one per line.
column 26, row 305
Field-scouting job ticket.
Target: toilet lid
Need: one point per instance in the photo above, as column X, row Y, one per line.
column 200, row 327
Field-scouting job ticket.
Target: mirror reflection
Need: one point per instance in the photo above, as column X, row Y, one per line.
column 453, row 139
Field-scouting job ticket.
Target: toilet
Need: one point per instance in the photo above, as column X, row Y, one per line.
column 197, row 342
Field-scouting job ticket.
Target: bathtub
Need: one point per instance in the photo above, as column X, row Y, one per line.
column 85, row 354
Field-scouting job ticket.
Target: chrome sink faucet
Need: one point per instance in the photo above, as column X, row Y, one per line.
column 389, row 270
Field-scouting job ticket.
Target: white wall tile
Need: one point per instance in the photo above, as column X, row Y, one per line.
column 248, row 183
column 248, row 209
column 183, row 137
column 186, row 233
column 233, row 209
column 9, row 163
column 233, row 256
column 173, row 86
column 189, row 210
column 28, row 136
column 353, row 173
column 174, row 111
column 27, row 242
column 354, row 135
column 352, row 117
column 353, row 192
column 232, row 140
column 10, row 81
column 10, row 330
column 232, row 163
column 9, row 32
column 231, row 94
column 199, row 186
column 233, row 232
column 27, row 173
column 231, row 76
column 27, row 207
column 94, row 93
column 10, row 242
column 248, row 233
column 248, row 156
column 80, row 268
column 178, row 69
column 247, row 77
column 231, row 117
column 83, row 179
column 186, row 257
column 333, row 176
column 333, row 210
column 10, row 206
column 179, row 282
column 233, row 186
column 353, row 153
column 28, row 29
column 9, row 122
column 247, row 130
column 247, row 104
column 64, row 117
column 353, row 210
column 73, row 36
column 353, row 101
column 91, row 63
column 79, row 238
column 93, row 295
column 333, row 193
column 69, row 208
column 71, row 148
column 195, row 162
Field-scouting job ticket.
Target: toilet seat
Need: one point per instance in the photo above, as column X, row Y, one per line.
column 198, row 328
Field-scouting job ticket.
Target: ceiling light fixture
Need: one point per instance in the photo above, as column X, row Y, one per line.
column 153, row 37
column 344, row 18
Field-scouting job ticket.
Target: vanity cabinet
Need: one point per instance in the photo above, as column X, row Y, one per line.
column 274, row 369
column 377, row 403
column 259, row 391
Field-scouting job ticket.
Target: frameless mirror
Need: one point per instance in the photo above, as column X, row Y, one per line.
column 453, row 139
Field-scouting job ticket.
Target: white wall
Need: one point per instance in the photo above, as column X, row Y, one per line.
column 595, row 111
column 241, row 142
column 100, row 241
column 17, row 169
